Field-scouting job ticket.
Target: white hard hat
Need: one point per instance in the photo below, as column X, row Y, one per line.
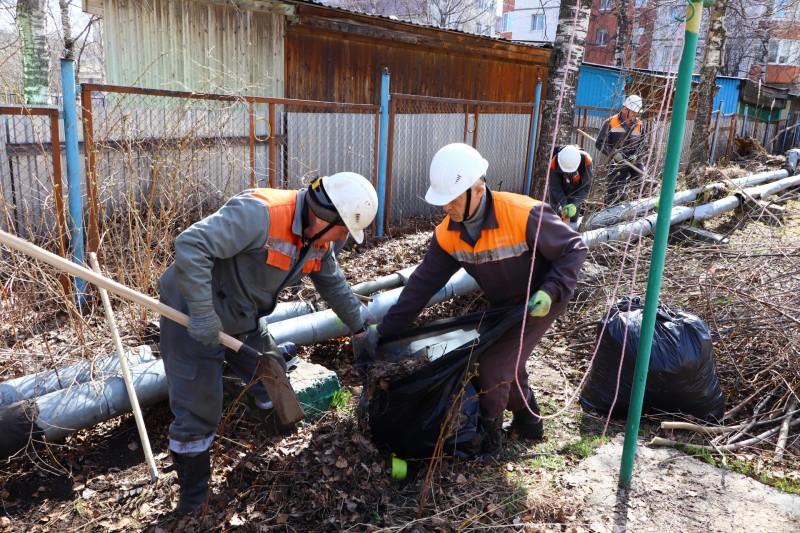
column 355, row 200
column 454, row 169
column 633, row 102
column 569, row 158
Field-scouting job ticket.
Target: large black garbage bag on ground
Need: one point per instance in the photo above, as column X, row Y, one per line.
column 682, row 377
column 407, row 414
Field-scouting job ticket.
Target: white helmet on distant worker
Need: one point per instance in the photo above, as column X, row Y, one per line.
column 454, row 169
column 633, row 102
column 569, row 158
column 355, row 200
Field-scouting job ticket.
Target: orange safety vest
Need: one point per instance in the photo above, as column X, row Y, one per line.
column 282, row 244
column 615, row 125
column 506, row 241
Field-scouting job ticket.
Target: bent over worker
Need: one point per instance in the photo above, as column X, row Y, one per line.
column 495, row 236
column 623, row 140
column 570, row 181
column 228, row 271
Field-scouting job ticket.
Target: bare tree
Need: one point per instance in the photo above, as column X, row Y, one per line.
column 565, row 63
column 713, row 59
column 623, row 33
column 32, row 24
column 462, row 15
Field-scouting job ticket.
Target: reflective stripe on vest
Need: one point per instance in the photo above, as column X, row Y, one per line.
column 506, row 241
column 283, row 245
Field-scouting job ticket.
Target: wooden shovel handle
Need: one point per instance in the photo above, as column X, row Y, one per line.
column 286, row 405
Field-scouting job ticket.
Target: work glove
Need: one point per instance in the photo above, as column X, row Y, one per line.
column 365, row 347
column 569, row 211
column 539, row 304
column 618, row 157
column 365, row 344
column 205, row 327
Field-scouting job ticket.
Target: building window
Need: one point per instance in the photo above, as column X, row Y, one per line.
column 537, row 22
column 601, row 37
column 605, row 5
column 783, row 52
column 677, row 14
column 507, row 21
column 641, row 3
column 781, row 7
column 486, row 5
column 637, row 35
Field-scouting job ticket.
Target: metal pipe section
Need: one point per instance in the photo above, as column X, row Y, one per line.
column 75, row 219
column 681, row 213
column 326, row 325
column 624, row 212
column 382, row 152
column 56, row 415
column 30, row 386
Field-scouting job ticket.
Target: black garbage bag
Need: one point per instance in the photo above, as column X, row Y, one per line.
column 682, row 377
column 408, row 414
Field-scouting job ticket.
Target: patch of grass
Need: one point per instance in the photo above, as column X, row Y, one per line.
column 584, row 447
column 341, row 398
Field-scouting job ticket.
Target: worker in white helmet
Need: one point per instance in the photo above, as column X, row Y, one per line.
column 570, row 181
column 495, row 237
column 622, row 138
column 228, row 271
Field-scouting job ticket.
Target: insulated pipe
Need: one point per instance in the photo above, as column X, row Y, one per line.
column 681, row 213
column 623, row 212
column 326, row 325
column 43, row 383
column 62, row 412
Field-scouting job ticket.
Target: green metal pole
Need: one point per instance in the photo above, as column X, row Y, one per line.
column 673, row 157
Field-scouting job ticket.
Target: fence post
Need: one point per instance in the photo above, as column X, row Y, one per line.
column 75, row 219
column 716, row 132
column 537, row 99
column 383, row 152
column 744, row 123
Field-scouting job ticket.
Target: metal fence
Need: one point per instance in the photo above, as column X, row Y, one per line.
column 419, row 126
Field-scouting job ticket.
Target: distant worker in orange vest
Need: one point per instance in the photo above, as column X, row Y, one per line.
column 495, row 236
column 570, row 181
column 229, row 269
column 622, row 138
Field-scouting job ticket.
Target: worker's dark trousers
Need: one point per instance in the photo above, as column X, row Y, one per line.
column 621, row 182
column 194, row 381
column 502, row 376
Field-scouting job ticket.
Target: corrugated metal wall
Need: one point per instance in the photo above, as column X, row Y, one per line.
column 337, row 56
column 165, row 44
column 600, row 87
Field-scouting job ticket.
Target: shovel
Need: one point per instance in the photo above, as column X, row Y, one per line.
column 270, row 372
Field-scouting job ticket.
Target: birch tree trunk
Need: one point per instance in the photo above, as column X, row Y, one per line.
column 566, row 60
column 35, row 56
column 623, row 34
column 713, row 58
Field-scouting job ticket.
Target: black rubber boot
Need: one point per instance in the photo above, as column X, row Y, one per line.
column 194, row 473
column 525, row 424
column 492, row 445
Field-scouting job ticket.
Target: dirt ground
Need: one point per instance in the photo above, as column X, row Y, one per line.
column 329, row 476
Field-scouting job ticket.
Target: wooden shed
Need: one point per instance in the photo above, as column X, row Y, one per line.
column 338, row 55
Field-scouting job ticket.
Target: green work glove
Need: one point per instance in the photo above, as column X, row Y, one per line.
column 618, row 157
column 539, row 304
column 569, row 210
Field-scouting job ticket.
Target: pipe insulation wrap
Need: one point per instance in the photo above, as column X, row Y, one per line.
column 57, row 414
column 42, row 383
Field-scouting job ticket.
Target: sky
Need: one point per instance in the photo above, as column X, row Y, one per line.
column 79, row 18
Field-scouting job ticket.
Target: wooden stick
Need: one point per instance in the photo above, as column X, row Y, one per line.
column 273, row 377
column 784, row 432
column 126, row 375
column 624, row 161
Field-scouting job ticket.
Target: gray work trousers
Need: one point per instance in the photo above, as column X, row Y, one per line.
column 194, row 381
column 498, row 371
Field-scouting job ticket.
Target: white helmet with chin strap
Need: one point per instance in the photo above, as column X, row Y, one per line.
column 569, row 158
column 351, row 195
column 454, row 169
